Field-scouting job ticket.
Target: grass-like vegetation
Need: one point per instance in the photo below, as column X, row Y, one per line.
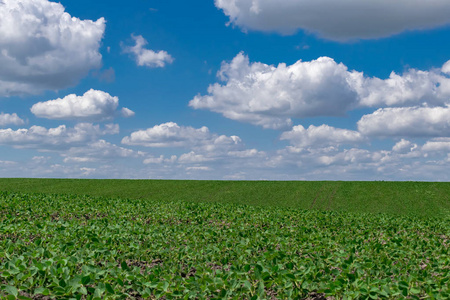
column 415, row 198
column 85, row 247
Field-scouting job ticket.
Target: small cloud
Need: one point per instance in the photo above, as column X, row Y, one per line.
column 10, row 119
column 147, row 57
column 127, row 112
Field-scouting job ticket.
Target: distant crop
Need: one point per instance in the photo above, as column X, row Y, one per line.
column 80, row 247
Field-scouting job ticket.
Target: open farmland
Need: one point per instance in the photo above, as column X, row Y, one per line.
column 90, row 247
column 416, row 198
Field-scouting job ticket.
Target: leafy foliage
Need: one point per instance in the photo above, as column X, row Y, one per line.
column 81, row 247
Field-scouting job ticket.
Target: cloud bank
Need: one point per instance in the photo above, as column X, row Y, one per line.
column 269, row 96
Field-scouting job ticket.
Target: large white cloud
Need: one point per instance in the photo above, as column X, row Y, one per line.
column 323, row 135
column 92, row 106
column 337, row 20
column 59, row 138
column 170, row 134
column 147, row 57
column 8, row 119
column 270, row 96
column 407, row 121
column 43, row 47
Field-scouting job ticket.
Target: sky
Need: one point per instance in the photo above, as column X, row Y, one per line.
column 225, row 89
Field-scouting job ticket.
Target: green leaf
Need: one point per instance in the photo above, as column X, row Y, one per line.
column 247, row 285
column 85, row 280
column 98, row 293
column 83, row 290
column 109, row 288
column 12, row 290
column 42, row 291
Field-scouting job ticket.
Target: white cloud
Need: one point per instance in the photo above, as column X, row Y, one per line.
column 350, row 156
column 99, row 151
column 337, row 20
column 52, row 139
column 407, row 121
column 437, row 145
column 94, row 105
column 446, row 68
column 172, row 135
column 404, row 146
column 160, row 160
column 412, row 87
column 270, row 96
column 248, row 153
column 127, row 112
column 322, row 135
column 147, row 57
column 199, row 168
column 192, row 157
column 13, row 119
column 43, row 47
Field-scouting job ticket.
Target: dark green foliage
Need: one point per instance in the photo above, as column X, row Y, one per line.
column 80, row 247
column 417, row 198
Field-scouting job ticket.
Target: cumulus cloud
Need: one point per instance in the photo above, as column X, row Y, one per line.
column 269, row 96
column 404, row 146
column 59, row 138
column 170, row 134
column 411, row 87
column 10, row 119
column 43, row 47
column 337, row 20
column 147, row 57
column 407, row 121
column 322, row 135
column 94, row 105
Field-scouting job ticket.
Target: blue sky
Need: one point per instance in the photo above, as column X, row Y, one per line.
column 225, row 89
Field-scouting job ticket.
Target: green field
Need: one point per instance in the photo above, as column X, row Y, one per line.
column 417, row 198
column 119, row 239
